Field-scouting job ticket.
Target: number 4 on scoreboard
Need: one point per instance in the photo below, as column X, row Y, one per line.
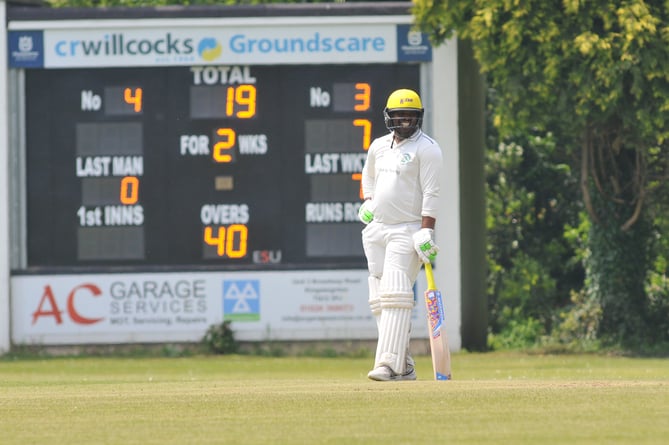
column 133, row 98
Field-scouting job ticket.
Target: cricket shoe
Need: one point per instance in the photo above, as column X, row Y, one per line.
column 383, row 373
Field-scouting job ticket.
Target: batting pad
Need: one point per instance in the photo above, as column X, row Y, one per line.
column 374, row 299
column 391, row 349
column 397, row 302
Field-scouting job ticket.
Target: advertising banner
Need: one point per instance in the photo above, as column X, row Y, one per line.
column 269, row 44
column 180, row 307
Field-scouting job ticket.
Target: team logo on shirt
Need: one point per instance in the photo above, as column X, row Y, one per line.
column 405, row 159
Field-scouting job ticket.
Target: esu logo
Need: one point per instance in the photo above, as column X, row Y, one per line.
column 266, row 256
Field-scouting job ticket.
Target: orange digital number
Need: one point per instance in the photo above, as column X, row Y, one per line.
column 129, row 190
column 363, row 97
column 221, row 148
column 358, row 177
column 242, row 98
column 133, row 98
column 230, row 241
column 366, row 125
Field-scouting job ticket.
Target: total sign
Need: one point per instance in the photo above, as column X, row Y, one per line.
column 128, row 308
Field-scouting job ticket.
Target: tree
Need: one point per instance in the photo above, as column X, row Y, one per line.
column 595, row 73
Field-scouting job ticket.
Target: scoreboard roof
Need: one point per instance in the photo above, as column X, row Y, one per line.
column 25, row 13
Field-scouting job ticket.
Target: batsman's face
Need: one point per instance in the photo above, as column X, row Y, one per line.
column 405, row 122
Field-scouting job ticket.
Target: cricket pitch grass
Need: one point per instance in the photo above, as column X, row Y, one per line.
column 495, row 398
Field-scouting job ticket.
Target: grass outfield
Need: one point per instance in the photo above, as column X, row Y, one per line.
column 496, row 398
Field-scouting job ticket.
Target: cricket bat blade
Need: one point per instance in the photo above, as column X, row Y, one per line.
column 441, row 355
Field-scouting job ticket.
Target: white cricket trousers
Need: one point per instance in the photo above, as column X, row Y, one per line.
column 393, row 267
column 389, row 247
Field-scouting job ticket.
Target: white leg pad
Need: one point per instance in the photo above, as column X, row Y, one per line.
column 397, row 301
column 374, row 299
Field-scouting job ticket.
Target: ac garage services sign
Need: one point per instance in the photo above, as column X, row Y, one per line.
column 111, row 308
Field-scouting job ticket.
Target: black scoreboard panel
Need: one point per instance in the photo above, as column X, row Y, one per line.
column 190, row 166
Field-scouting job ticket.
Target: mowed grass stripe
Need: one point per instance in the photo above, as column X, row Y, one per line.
column 496, row 398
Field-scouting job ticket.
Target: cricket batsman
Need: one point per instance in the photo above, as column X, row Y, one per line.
column 400, row 184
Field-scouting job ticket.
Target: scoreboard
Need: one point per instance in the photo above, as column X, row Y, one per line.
column 172, row 168
column 224, row 165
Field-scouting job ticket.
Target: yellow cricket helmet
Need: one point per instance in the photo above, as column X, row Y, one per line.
column 403, row 100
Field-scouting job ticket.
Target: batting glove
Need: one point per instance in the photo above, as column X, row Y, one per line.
column 424, row 244
column 365, row 213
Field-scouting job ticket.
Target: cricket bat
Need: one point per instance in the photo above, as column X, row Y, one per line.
column 441, row 355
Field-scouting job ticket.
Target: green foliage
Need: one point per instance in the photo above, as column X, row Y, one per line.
column 586, row 62
column 532, row 269
column 657, row 285
column 220, row 339
column 517, row 335
column 658, row 302
column 616, row 270
column 579, row 324
column 596, row 75
column 526, row 290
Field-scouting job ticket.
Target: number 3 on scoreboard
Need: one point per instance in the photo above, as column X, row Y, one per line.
column 230, row 241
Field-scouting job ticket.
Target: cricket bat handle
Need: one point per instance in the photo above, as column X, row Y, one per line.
column 430, row 277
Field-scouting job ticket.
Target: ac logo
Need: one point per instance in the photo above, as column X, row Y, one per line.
column 48, row 306
column 241, row 300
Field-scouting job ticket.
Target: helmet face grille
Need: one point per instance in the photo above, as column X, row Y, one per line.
column 399, row 124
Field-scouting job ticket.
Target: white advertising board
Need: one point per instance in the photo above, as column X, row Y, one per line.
column 278, row 41
column 180, row 307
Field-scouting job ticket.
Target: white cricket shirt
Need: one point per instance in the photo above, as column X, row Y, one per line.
column 402, row 179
